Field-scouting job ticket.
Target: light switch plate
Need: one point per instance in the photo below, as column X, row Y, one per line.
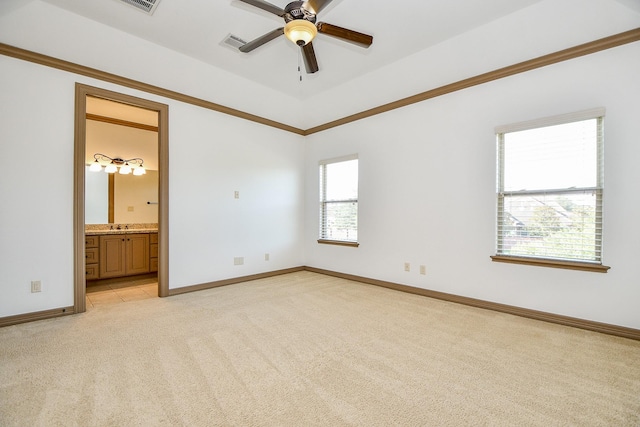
column 36, row 286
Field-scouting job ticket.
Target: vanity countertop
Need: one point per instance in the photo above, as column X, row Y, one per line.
column 131, row 228
column 122, row 231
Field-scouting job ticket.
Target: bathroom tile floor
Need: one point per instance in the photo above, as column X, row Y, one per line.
column 119, row 292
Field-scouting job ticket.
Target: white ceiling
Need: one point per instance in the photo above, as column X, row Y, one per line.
column 198, row 27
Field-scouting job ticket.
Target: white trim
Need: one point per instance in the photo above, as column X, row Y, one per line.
column 552, row 121
column 338, row 159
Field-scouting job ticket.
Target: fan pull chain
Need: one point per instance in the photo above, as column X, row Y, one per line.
column 299, row 61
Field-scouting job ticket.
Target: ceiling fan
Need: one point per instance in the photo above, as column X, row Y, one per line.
column 301, row 28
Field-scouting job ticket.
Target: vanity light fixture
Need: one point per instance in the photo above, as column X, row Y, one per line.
column 125, row 165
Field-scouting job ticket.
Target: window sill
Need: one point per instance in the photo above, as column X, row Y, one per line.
column 338, row 242
column 571, row 265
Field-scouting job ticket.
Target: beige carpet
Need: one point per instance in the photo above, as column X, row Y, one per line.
column 305, row 349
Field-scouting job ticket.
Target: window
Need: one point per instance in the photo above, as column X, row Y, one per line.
column 549, row 189
column 339, row 201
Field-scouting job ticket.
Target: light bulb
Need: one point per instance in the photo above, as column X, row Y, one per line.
column 139, row 171
column 125, row 169
column 111, row 168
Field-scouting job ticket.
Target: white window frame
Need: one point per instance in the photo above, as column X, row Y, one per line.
column 594, row 264
column 323, row 237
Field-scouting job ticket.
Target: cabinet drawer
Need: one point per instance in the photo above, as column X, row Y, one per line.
column 153, row 250
column 153, row 265
column 153, row 237
column 91, row 241
column 91, row 271
column 92, row 255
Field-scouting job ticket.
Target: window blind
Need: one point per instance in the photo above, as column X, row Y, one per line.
column 550, row 188
column 339, row 199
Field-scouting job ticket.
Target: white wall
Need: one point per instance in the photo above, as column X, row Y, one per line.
column 211, row 155
column 36, row 189
column 427, row 190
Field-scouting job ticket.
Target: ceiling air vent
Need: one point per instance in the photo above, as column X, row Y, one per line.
column 233, row 41
column 147, row 6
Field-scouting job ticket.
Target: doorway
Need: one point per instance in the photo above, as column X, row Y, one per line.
column 83, row 93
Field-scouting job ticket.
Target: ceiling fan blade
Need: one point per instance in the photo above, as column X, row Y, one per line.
column 317, row 5
column 360, row 39
column 261, row 40
column 310, row 61
column 271, row 8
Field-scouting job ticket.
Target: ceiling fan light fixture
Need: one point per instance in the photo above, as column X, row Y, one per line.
column 300, row 31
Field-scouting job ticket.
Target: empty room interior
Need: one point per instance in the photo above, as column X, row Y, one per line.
column 251, row 212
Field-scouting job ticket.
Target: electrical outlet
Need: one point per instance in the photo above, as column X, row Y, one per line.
column 423, row 269
column 236, row 194
column 407, row 266
column 36, row 286
column 266, row 257
column 238, row 260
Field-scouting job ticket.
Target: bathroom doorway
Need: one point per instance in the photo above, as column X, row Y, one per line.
column 137, row 212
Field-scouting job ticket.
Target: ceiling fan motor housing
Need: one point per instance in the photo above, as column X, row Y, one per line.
column 295, row 10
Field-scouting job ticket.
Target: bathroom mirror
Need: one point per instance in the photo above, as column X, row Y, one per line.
column 121, row 199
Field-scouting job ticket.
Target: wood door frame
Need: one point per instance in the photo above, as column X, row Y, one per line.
column 82, row 91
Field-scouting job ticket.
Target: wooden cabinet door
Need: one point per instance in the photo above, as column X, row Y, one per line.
column 112, row 256
column 137, row 249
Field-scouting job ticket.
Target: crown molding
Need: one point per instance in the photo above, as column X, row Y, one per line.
column 521, row 67
column 49, row 61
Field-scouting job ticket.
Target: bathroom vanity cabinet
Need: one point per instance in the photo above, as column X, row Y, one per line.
column 118, row 255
